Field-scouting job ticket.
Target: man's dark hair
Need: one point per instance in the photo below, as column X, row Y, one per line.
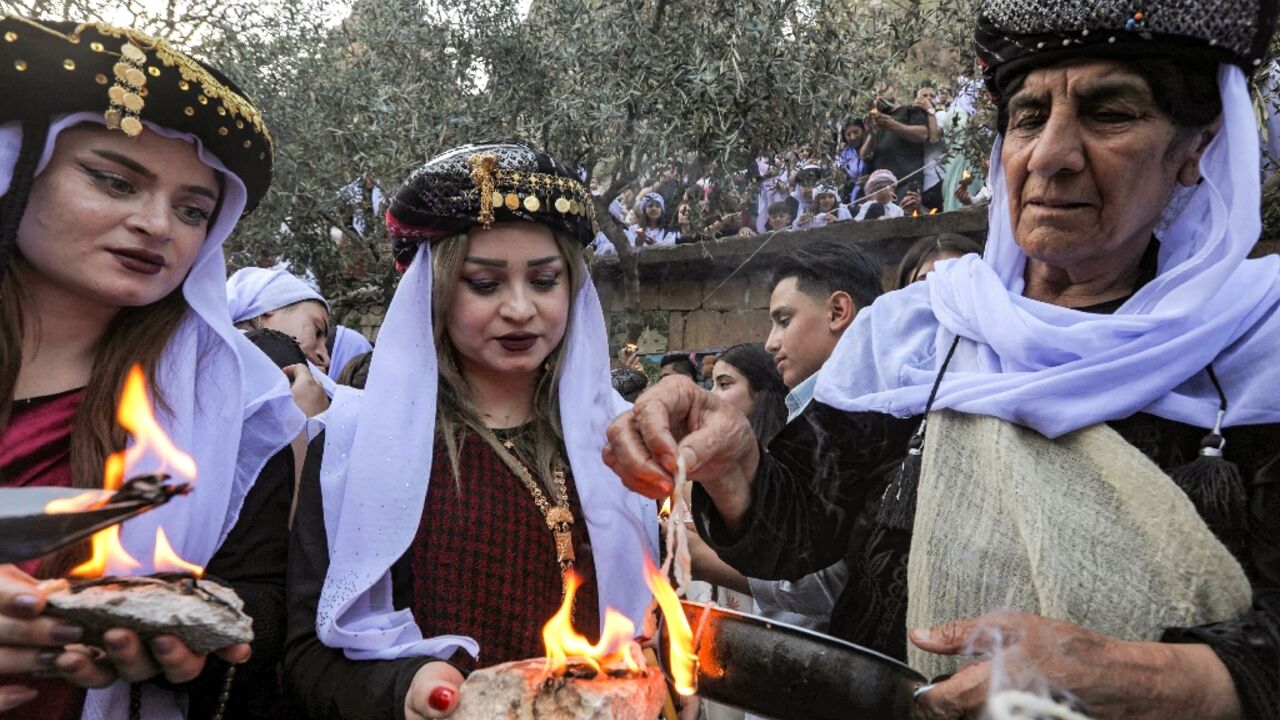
column 824, row 268
column 929, row 248
column 681, row 363
column 781, row 206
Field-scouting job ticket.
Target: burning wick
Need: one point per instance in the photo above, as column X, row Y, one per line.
column 149, row 441
column 683, row 660
column 966, row 176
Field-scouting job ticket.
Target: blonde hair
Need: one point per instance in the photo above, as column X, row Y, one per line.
column 538, row 450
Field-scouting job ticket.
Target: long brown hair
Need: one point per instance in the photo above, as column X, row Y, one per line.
column 135, row 335
column 540, row 448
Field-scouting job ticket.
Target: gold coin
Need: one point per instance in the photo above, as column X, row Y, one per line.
column 575, row 207
column 532, row 204
column 496, row 199
column 202, row 100
column 562, row 205
column 222, row 110
column 512, row 201
column 131, row 126
column 68, row 64
column 120, row 69
column 132, row 102
column 135, row 77
column 112, row 117
column 96, row 46
column 116, row 93
column 10, row 36
column 131, row 53
column 153, row 71
column 184, row 85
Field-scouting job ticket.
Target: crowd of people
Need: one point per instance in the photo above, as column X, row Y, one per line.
column 1057, row 450
column 896, row 160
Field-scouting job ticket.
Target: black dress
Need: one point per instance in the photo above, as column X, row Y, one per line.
column 818, row 492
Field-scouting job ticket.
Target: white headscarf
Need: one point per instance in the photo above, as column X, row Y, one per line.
column 347, row 344
column 212, row 379
column 377, row 464
column 254, row 291
column 1056, row 369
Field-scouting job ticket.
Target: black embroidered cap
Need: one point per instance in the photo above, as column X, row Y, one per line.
column 52, row 68
column 484, row 184
column 1015, row 35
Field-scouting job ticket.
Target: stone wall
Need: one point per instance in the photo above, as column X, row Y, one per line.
column 711, row 295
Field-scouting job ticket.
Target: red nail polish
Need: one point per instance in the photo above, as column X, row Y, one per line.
column 440, row 699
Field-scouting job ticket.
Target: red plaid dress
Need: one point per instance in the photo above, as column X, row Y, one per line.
column 484, row 562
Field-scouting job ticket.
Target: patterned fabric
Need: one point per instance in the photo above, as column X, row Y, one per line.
column 1015, row 32
column 481, row 184
column 482, row 531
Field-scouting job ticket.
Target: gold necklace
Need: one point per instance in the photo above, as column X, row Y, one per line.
column 559, row 517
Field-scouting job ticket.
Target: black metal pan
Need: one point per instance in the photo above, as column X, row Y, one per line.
column 28, row 532
column 789, row 673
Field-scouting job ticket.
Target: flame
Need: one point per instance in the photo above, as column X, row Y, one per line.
column 85, row 501
column 166, row 560
column 915, row 213
column 149, row 440
column 665, row 510
column 563, row 642
column 966, row 177
column 683, row 660
column 933, row 211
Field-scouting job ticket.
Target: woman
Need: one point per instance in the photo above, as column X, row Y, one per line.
column 480, row 425
column 1113, row 338
column 745, row 377
column 826, row 209
column 347, row 345
column 277, row 300
column 111, row 253
column 921, row 257
column 880, row 197
column 647, row 231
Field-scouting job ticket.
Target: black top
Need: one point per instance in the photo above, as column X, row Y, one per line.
column 898, row 154
column 252, row 561
column 806, row 516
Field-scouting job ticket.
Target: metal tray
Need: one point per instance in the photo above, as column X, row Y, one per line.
column 789, row 673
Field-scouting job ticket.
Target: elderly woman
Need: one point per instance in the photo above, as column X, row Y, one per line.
column 1103, row 433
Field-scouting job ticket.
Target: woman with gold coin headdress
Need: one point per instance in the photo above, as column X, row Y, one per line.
column 442, row 510
column 124, row 165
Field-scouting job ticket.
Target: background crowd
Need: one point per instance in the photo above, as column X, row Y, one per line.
column 898, row 159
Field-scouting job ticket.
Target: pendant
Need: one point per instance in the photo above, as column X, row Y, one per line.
column 564, row 546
